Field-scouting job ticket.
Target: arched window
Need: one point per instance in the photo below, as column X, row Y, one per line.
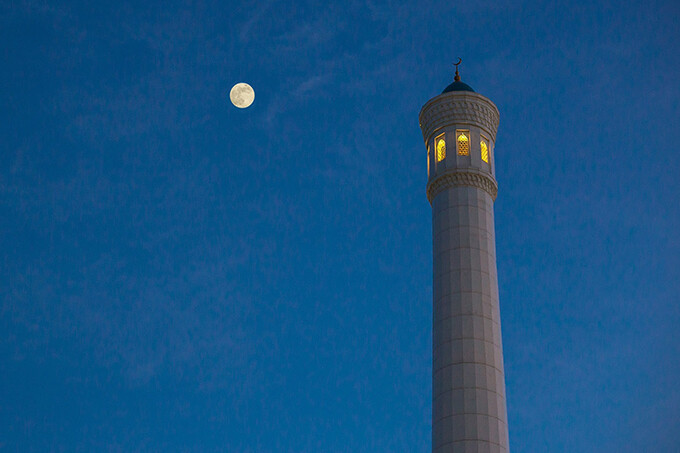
column 463, row 142
column 440, row 147
column 484, row 148
column 428, row 161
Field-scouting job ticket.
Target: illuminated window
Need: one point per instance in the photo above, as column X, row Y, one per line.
column 463, row 141
column 484, row 147
column 440, row 147
column 428, row 161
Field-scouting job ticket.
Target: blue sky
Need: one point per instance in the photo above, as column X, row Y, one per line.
column 177, row 274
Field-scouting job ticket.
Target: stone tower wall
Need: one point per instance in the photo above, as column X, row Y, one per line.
column 468, row 387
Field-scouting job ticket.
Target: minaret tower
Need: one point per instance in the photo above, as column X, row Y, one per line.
column 468, row 384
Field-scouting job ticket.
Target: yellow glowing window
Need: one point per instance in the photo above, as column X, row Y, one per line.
column 463, row 142
column 428, row 161
column 484, row 146
column 440, row 147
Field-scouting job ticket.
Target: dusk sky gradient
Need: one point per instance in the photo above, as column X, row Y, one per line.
column 180, row 275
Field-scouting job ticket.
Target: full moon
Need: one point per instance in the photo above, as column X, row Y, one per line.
column 242, row 95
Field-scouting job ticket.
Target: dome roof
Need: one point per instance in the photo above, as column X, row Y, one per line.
column 458, row 86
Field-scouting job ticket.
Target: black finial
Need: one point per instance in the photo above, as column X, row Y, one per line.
column 457, row 76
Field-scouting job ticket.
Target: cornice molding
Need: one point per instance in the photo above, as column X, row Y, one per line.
column 462, row 178
column 459, row 108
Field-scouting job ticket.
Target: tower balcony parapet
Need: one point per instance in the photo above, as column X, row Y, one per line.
column 459, row 107
column 468, row 177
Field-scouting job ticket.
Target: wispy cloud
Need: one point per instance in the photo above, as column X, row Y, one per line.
column 300, row 90
column 306, row 35
column 247, row 28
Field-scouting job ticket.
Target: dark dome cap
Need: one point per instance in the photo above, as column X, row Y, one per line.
column 458, row 86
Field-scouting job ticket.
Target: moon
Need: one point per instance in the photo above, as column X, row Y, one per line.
column 242, row 95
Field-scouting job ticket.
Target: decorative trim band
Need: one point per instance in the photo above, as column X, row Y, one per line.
column 458, row 108
column 462, row 178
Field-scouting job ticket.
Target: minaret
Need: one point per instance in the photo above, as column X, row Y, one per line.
column 468, row 384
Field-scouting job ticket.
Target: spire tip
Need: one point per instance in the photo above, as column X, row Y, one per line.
column 457, row 76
